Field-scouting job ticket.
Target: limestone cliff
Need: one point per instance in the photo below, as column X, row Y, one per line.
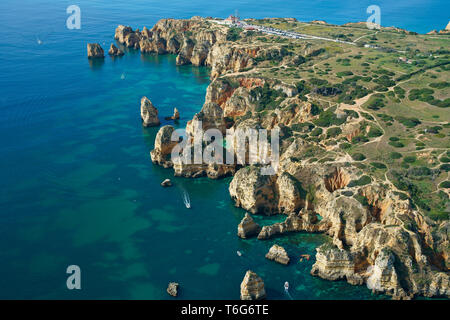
column 161, row 154
column 376, row 238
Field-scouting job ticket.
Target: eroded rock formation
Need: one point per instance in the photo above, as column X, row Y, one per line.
column 267, row 194
column 278, row 253
column 94, row 50
column 333, row 263
column 161, row 154
column 252, row 287
column 248, row 227
column 172, row 289
column 114, row 51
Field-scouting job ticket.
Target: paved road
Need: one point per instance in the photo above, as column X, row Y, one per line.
column 290, row 34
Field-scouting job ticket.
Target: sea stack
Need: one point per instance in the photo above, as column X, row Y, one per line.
column 172, row 289
column 149, row 113
column 248, row 227
column 94, row 50
column 114, row 51
column 278, row 254
column 252, row 287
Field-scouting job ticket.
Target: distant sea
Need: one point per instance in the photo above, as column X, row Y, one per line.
column 78, row 186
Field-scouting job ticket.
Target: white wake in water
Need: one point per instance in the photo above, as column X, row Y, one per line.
column 186, row 199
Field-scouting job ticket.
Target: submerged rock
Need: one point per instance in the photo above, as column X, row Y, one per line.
column 252, row 287
column 94, row 50
column 114, row 51
column 248, row 227
column 172, row 289
column 149, row 113
column 166, row 183
column 278, row 254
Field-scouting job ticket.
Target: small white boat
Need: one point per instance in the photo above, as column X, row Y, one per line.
column 239, row 253
column 286, row 286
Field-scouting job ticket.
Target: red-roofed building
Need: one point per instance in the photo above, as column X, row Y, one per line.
column 232, row 19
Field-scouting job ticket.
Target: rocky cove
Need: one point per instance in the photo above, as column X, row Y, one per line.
column 376, row 238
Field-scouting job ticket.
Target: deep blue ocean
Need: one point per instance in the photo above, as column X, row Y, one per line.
column 78, row 186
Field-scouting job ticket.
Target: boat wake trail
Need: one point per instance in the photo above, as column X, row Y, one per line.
column 186, row 199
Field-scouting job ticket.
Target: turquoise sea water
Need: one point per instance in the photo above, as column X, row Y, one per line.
column 78, row 186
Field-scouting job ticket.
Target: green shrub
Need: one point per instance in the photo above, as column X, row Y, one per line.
column 234, row 34
column 328, row 118
column 333, row 132
column 375, row 103
column 396, row 144
column 395, row 155
column 358, row 157
column 378, row 165
column 440, row 85
column 344, row 73
column 361, row 199
column 316, row 132
column 420, row 171
column 409, row 159
column 445, row 184
column 367, row 116
column 266, row 97
column 375, row 132
column 305, row 126
column 359, row 139
column 408, row 122
column 399, row 91
column 402, row 196
column 364, row 180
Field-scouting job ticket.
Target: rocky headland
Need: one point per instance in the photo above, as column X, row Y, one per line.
column 377, row 236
